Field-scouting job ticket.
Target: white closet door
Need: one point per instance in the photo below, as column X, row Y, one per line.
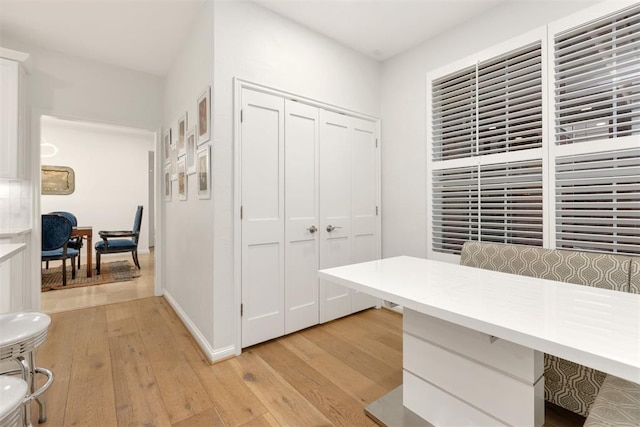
column 335, row 210
column 301, row 211
column 364, row 200
column 263, row 248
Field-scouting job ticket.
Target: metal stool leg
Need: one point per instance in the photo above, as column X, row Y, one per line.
column 42, row 406
column 27, row 376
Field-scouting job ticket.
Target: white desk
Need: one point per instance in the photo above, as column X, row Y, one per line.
column 591, row 326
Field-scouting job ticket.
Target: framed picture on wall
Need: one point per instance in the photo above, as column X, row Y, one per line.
column 191, row 151
column 182, row 180
column 204, row 116
column 174, row 162
column 203, row 173
column 182, row 131
column 166, row 146
column 167, row 183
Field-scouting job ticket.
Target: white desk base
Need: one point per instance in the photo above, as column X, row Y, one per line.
column 455, row 376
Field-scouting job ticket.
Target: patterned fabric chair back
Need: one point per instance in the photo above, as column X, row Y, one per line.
column 56, row 231
column 71, row 217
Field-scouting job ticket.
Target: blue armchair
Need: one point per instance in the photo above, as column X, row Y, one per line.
column 56, row 231
column 113, row 241
column 75, row 242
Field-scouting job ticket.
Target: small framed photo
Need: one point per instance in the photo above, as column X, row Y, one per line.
column 204, row 116
column 191, row 151
column 182, row 131
column 174, row 163
column 182, row 180
column 203, row 173
column 167, row 183
column 166, row 146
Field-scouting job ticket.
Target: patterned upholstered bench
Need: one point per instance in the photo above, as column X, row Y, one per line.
column 567, row 384
column 617, row 404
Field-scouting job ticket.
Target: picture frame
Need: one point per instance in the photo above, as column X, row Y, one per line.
column 182, row 179
column 166, row 146
column 203, row 109
column 57, row 180
column 203, row 173
column 180, row 137
column 167, row 183
column 174, row 161
column 191, row 150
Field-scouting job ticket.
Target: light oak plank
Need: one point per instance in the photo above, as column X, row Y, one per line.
column 266, row 420
column 91, row 379
column 209, row 417
column 138, row 399
column 179, row 386
column 286, row 405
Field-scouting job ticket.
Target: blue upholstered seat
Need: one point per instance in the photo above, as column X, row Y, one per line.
column 113, row 241
column 56, row 231
column 114, row 244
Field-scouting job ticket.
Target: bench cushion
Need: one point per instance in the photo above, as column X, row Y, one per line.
column 567, row 384
column 617, row 404
column 634, row 282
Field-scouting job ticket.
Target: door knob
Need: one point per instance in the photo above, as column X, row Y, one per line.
column 330, row 228
column 312, row 229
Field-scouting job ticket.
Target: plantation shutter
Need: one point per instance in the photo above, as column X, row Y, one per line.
column 598, row 202
column 511, row 203
column 479, row 114
column 597, row 93
column 454, row 208
column 510, row 101
column 454, row 115
column 597, row 82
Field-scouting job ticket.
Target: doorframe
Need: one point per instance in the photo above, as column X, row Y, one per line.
column 35, row 162
column 238, row 85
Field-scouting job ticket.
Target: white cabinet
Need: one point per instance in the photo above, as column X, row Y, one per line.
column 13, row 116
column 309, row 197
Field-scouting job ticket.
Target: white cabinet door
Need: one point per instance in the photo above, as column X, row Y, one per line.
column 9, row 108
column 301, row 211
column 364, row 201
column 335, row 210
column 262, row 192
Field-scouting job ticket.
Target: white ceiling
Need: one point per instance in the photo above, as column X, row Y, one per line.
column 146, row 35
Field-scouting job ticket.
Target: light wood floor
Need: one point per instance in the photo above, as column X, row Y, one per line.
column 91, row 296
column 134, row 363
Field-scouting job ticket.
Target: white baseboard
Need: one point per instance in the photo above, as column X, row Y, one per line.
column 213, row 355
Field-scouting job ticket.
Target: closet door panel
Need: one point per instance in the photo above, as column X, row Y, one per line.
column 262, row 153
column 301, row 211
column 364, row 200
column 335, row 208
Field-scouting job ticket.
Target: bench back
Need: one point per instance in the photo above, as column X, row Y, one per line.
column 608, row 271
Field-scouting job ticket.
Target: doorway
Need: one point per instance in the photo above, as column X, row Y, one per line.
column 111, row 176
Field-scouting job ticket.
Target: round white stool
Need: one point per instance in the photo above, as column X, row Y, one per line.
column 20, row 334
column 13, row 392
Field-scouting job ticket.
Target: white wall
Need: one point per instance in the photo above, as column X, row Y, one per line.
column 74, row 87
column 403, row 87
column 255, row 44
column 188, row 225
column 111, row 178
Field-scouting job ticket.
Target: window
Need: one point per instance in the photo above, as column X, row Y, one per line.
column 485, row 157
column 597, row 134
column 502, row 158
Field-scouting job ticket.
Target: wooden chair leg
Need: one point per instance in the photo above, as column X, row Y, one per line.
column 64, row 272
column 135, row 259
column 79, row 249
column 98, row 263
column 73, row 268
column 46, row 265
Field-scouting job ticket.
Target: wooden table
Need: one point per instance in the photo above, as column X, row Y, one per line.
column 87, row 233
column 473, row 339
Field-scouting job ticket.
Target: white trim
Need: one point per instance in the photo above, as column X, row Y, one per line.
column 238, row 85
column 223, row 353
column 211, row 354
